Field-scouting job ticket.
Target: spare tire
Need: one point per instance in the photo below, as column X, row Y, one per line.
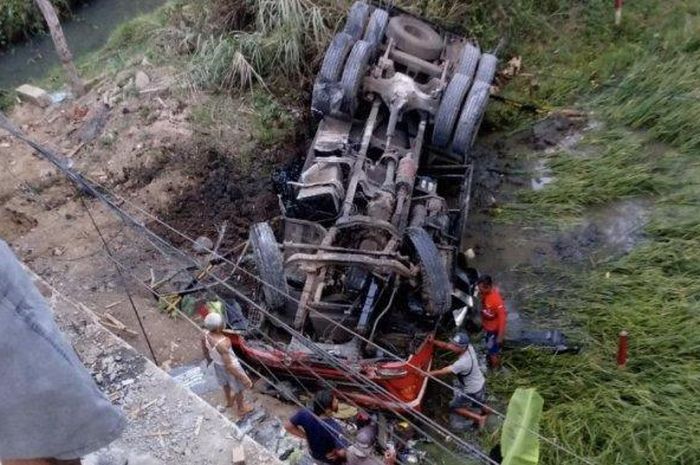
column 448, row 111
column 468, row 60
column 470, row 118
column 435, row 283
column 269, row 264
column 334, row 59
column 415, row 37
column 357, row 20
column 487, row 68
column 354, row 71
column 376, row 28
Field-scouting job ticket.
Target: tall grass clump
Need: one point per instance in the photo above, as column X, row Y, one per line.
column 644, row 414
column 661, row 96
column 20, row 19
column 283, row 38
column 608, row 165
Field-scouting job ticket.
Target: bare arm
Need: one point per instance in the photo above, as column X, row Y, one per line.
column 205, row 351
column 294, row 430
column 448, row 346
column 442, row 371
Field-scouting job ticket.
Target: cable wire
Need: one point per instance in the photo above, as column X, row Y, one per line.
column 90, row 186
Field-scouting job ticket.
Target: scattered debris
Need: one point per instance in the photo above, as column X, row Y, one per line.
column 94, row 125
column 238, row 455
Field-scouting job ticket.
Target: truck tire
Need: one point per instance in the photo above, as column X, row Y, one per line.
column 435, row 281
column 376, row 29
column 354, row 71
column 470, row 118
column 357, row 20
column 469, row 60
column 334, row 59
column 448, row 111
column 415, row 37
column 487, row 68
column 269, row 264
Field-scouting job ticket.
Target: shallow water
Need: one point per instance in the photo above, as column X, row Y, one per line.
column 86, row 31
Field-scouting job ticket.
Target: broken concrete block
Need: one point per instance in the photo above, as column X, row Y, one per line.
column 238, row 455
column 141, row 80
column 34, row 95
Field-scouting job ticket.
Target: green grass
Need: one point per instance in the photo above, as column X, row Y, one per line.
column 641, row 82
column 282, row 40
column 272, row 123
column 608, row 165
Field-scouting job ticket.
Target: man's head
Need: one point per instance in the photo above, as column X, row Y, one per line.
column 461, row 340
column 325, row 402
column 214, row 322
column 485, row 283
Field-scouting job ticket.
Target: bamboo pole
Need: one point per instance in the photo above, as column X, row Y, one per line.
column 59, row 41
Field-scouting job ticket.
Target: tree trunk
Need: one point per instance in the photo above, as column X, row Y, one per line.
column 61, row 45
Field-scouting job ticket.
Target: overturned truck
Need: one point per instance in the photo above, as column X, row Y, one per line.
column 369, row 260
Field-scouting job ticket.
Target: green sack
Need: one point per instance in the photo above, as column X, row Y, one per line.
column 519, row 441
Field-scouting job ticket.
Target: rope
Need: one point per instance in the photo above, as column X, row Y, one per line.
column 123, row 280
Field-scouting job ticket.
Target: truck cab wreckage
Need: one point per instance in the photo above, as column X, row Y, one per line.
column 369, row 262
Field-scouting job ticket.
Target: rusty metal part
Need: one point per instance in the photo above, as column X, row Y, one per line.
column 332, row 135
column 406, row 174
column 435, row 205
column 318, row 260
column 298, row 230
column 390, row 174
column 321, row 180
column 418, row 215
column 367, row 223
column 382, row 206
column 359, row 162
column 330, row 248
column 404, row 93
column 414, row 63
column 314, row 278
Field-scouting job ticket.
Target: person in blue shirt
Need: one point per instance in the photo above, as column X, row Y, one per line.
column 322, row 433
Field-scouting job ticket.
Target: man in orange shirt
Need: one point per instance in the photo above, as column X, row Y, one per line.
column 493, row 319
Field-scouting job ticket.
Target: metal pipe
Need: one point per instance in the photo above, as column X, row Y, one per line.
column 359, row 162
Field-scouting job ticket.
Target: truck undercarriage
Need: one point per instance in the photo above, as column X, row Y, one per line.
column 368, row 260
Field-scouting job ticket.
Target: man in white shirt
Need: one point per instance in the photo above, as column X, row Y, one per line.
column 470, row 396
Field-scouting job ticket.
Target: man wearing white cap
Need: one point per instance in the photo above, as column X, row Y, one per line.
column 470, row 396
column 229, row 372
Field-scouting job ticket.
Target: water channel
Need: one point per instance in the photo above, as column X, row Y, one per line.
column 86, row 31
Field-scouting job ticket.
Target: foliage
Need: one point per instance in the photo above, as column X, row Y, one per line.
column 21, row 18
column 281, row 40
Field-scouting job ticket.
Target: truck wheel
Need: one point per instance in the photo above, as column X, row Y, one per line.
column 269, row 264
column 449, row 108
column 469, row 60
column 376, row 29
column 415, row 37
column 435, row 282
column 487, row 68
column 470, row 119
column 357, row 20
column 334, row 59
column 354, row 71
